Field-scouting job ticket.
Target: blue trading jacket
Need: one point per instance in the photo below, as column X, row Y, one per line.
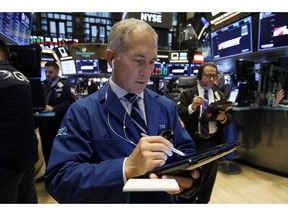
column 88, row 153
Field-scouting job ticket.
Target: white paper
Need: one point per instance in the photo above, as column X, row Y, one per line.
column 151, row 185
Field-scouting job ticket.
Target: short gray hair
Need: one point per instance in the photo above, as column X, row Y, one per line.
column 119, row 34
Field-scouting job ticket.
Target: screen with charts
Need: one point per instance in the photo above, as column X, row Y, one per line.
column 233, row 39
column 87, row 66
column 273, row 31
column 160, row 69
column 179, row 69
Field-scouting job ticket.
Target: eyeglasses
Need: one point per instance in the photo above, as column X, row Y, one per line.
column 209, row 76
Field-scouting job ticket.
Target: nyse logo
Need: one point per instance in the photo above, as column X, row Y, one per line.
column 151, row 17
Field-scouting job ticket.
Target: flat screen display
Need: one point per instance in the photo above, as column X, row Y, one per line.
column 178, row 57
column 16, row 27
column 68, row 67
column 179, row 69
column 194, row 68
column 232, row 40
column 160, row 69
column 273, row 31
column 87, row 66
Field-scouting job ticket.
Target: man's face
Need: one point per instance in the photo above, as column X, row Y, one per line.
column 208, row 77
column 134, row 65
column 51, row 73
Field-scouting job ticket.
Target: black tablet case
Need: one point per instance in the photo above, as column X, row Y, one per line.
column 193, row 161
column 214, row 108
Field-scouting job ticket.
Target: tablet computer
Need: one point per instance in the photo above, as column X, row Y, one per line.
column 214, row 108
column 190, row 162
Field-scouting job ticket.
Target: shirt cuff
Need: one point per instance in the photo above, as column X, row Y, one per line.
column 123, row 171
column 190, row 110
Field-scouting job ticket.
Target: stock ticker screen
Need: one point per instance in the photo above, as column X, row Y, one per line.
column 233, row 39
column 16, row 27
column 273, row 31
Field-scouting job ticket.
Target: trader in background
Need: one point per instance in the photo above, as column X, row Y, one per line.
column 99, row 146
column 19, row 144
column 93, row 87
column 219, row 83
column 58, row 98
column 205, row 134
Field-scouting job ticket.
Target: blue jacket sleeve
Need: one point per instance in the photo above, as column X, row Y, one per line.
column 73, row 175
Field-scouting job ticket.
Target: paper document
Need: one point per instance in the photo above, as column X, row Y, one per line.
column 151, row 185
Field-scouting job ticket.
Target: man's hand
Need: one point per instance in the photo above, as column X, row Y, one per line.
column 197, row 101
column 279, row 97
column 48, row 108
column 183, row 182
column 150, row 152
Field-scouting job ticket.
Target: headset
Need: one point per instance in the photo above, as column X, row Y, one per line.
column 200, row 72
column 112, row 65
column 201, row 69
column 126, row 138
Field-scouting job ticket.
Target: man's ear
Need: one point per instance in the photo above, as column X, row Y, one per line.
column 110, row 56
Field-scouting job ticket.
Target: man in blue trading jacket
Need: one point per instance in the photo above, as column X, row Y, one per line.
column 190, row 109
column 98, row 148
column 58, row 98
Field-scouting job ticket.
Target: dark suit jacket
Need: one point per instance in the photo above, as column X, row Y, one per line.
column 191, row 121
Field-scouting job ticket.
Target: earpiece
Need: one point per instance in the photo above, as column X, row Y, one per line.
column 113, row 64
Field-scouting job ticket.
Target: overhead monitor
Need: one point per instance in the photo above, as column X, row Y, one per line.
column 68, row 67
column 87, row 66
column 15, row 28
column 231, row 40
column 62, row 53
column 273, row 31
column 178, row 57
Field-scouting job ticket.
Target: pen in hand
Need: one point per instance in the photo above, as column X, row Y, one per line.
column 173, row 149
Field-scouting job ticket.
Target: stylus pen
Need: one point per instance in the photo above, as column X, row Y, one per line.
column 201, row 97
column 173, row 149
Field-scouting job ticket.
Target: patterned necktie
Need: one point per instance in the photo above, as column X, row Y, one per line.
column 204, row 124
column 135, row 114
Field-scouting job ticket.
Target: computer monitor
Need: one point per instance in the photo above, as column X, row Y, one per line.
column 87, row 66
column 68, row 67
column 178, row 69
column 245, row 70
column 160, row 69
column 273, row 31
column 194, row 68
column 233, row 39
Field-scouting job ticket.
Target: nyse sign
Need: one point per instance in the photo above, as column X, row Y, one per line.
column 149, row 17
column 159, row 20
